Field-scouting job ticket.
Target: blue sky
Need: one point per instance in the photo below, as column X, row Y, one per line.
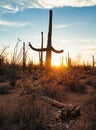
column 74, row 26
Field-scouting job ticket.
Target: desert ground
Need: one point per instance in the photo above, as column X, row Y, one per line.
column 48, row 99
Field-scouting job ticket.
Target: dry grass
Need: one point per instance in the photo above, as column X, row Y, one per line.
column 30, row 115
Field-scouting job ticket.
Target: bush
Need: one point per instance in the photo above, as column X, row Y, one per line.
column 12, row 83
column 76, row 86
column 2, row 79
column 4, row 90
column 2, row 117
column 91, row 81
column 30, row 115
column 54, row 91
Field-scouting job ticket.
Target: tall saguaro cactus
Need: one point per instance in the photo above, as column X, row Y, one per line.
column 49, row 47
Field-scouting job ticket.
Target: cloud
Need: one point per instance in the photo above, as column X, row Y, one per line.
column 61, row 3
column 14, row 6
column 60, row 26
column 12, row 24
column 8, row 7
column 67, row 25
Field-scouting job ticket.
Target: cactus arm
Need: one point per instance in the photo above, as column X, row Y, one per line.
column 36, row 49
column 56, row 51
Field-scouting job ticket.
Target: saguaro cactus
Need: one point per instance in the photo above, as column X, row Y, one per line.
column 41, row 54
column 68, row 60
column 49, row 47
column 93, row 61
column 24, row 57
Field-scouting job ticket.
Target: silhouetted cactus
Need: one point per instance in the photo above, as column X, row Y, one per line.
column 24, row 57
column 93, row 61
column 41, row 53
column 49, row 48
column 68, row 60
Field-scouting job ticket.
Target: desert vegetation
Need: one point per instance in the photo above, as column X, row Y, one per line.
column 43, row 99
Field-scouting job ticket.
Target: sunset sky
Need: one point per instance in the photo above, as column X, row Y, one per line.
column 74, row 26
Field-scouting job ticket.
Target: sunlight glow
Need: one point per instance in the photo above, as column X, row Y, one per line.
column 55, row 60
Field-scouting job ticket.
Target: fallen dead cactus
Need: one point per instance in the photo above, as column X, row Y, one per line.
column 66, row 112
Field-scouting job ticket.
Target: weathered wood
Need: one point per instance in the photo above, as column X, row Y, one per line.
column 58, row 104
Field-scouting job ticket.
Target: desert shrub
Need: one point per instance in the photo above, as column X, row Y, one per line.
column 31, row 88
column 76, row 86
column 93, row 71
column 87, row 68
column 51, row 77
column 71, row 82
column 91, row 81
column 30, row 115
column 4, row 90
column 57, row 84
column 2, row 79
column 2, row 117
column 1, row 72
column 54, row 91
column 12, row 83
column 10, row 73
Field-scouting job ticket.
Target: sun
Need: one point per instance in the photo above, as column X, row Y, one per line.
column 55, row 60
